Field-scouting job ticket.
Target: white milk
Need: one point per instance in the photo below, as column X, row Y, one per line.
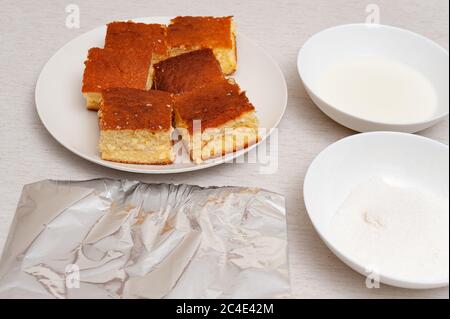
column 378, row 89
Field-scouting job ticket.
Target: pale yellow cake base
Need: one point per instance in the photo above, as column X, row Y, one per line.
column 151, row 71
column 137, row 146
column 227, row 138
column 93, row 100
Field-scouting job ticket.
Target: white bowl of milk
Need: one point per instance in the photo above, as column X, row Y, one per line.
column 376, row 78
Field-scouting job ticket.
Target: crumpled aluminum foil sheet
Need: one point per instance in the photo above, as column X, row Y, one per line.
column 125, row 239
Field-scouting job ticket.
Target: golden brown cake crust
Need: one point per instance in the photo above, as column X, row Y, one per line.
column 144, row 36
column 126, row 108
column 209, row 32
column 214, row 105
column 106, row 68
column 187, row 71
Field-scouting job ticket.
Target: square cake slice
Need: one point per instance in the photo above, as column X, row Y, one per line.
column 186, row 34
column 151, row 37
column 215, row 120
column 142, row 36
column 136, row 126
column 108, row 68
column 187, row 71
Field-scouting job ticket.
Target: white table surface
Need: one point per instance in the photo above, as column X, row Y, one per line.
column 31, row 31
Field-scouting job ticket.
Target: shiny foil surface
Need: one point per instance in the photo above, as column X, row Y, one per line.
column 125, row 239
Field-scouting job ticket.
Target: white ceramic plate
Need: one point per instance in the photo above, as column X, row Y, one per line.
column 364, row 40
column 61, row 106
column 405, row 159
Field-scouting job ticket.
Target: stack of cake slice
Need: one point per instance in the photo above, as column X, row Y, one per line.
column 147, row 71
column 126, row 61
